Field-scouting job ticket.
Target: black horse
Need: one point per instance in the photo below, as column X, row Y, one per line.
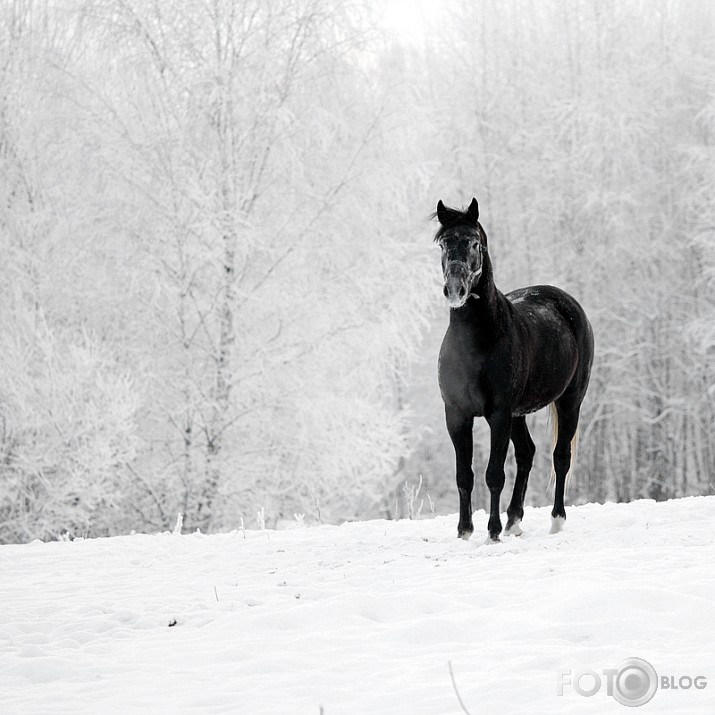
column 504, row 356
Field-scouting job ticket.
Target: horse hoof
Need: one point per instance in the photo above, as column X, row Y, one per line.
column 557, row 524
column 491, row 540
column 513, row 529
column 464, row 534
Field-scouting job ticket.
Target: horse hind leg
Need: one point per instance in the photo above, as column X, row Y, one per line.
column 524, row 451
column 565, row 427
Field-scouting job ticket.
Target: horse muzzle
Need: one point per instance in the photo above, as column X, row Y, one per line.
column 458, row 284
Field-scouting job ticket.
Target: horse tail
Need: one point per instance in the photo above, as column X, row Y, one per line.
column 554, row 420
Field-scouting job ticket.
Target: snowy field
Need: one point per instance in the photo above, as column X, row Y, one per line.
column 364, row 617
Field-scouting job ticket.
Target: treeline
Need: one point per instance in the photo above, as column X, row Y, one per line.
column 217, row 289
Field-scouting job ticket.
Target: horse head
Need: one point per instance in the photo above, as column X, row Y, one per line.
column 463, row 242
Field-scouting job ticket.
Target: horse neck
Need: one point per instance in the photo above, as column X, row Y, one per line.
column 482, row 313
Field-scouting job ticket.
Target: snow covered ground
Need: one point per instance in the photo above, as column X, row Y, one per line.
column 364, row 617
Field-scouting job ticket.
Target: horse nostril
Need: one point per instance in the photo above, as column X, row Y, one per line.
column 446, row 292
column 462, row 291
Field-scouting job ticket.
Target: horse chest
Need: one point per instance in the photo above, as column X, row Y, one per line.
column 465, row 380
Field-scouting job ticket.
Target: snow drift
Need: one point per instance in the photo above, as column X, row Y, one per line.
column 363, row 617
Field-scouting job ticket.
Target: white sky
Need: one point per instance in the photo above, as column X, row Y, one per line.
column 411, row 19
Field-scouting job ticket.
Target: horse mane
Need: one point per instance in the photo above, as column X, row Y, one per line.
column 454, row 218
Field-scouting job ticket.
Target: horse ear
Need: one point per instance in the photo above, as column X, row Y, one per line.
column 473, row 211
column 441, row 212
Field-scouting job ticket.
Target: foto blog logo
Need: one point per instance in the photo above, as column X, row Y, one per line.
column 632, row 682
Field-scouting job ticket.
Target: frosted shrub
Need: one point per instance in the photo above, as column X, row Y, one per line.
column 67, row 416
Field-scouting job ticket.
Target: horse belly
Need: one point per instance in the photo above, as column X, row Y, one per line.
column 547, row 371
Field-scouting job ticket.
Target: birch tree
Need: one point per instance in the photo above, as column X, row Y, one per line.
column 249, row 155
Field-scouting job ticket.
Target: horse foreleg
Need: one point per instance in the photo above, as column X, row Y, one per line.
column 459, row 426
column 524, row 451
column 500, row 425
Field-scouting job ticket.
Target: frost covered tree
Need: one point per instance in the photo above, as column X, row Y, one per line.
column 243, row 148
column 586, row 129
column 67, row 410
column 217, row 212
column 209, row 232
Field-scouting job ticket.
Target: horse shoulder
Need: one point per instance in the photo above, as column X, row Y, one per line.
column 461, row 368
